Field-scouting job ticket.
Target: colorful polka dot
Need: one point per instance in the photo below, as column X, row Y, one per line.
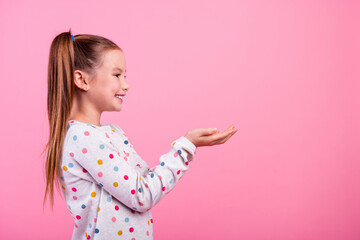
column 126, row 177
column 78, row 217
column 132, row 191
column 65, row 168
column 74, row 137
column 126, row 141
column 109, row 199
column 117, row 208
column 152, row 175
column 116, row 168
column 127, row 219
column 116, row 184
column 74, row 189
column 84, row 150
column 100, row 174
column 111, row 156
column 113, row 219
column 131, row 229
column 86, row 133
column 97, row 230
column 163, row 188
column 162, row 163
column 120, row 232
column 101, row 146
column 72, row 154
column 179, row 151
column 70, row 165
column 100, row 162
column 93, row 194
column 83, row 206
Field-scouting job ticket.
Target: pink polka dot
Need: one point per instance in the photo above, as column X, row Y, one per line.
column 117, row 208
column 94, row 219
column 147, row 233
column 146, row 185
column 163, row 188
column 141, row 204
column 84, row 170
column 119, row 154
column 133, row 239
column 160, row 177
column 113, row 219
column 74, row 197
column 86, row 133
column 151, row 220
column 78, row 217
column 125, row 158
column 84, row 150
column 100, row 174
column 131, row 229
column 187, row 163
column 126, row 177
column 74, row 189
column 111, row 156
column 88, row 237
column 176, row 154
column 133, row 191
column 178, row 172
column 76, row 225
column 72, row 154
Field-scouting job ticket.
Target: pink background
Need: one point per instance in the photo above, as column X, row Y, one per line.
column 286, row 73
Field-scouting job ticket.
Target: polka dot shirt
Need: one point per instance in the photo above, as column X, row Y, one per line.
column 108, row 188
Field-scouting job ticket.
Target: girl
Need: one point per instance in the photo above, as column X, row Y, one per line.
column 109, row 189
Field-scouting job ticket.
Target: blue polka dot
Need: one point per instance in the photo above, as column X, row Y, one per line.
column 101, row 146
column 126, row 141
column 74, row 137
column 62, row 178
column 134, row 208
column 109, row 199
column 162, row 164
column 101, row 185
column 155, row 196
column 171, row 180
column 69, row 207
column 116, row 168
column 126, row 219
column 90, row 225
column 152, row 175
column 83, row 206
column 179, row 151
column 96, row 230
column 139, row 189
column 70, row 165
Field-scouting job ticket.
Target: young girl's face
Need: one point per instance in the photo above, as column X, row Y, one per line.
column 110, row 80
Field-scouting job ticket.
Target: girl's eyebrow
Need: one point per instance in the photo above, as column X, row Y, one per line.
column 117, row 68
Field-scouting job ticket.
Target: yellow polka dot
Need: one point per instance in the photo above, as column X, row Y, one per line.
column 63, row 187
column 113, row 130
column 180, row 177
column 100, row 162
column 116, row 184
column 93, row 194
column 65, row 168
column 86, row 234
column 98, row 209
column 140, row 178
column 148, row 222
column 119, row 232
column 174, row 143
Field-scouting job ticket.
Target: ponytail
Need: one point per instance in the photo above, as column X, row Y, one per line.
column 59, row 98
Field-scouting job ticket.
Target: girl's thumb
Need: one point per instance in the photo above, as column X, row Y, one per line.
column 209, row 131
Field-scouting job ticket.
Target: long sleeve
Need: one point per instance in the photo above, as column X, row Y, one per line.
column 95, row 152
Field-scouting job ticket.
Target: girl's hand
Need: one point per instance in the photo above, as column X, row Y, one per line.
column 208, row 137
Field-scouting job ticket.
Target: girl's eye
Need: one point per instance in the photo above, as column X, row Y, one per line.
column 116, row 75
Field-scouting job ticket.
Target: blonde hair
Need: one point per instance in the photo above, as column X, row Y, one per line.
column 85, row 53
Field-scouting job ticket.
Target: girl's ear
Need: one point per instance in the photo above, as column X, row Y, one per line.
column 80, row 80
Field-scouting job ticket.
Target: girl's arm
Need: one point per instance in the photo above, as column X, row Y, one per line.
column 93, row 150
